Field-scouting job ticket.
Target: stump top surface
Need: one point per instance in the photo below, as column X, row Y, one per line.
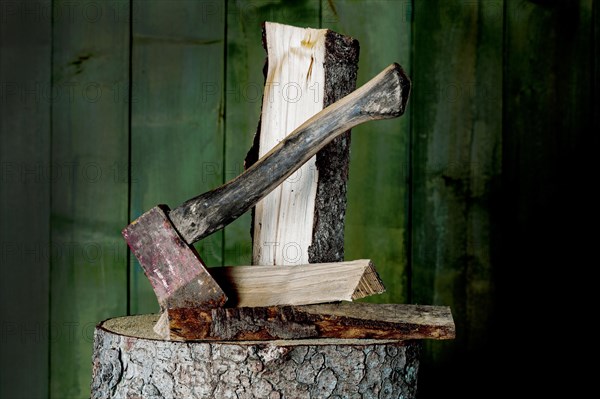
column 141, row 327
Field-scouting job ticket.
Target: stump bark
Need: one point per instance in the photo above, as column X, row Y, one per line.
column 131, row 361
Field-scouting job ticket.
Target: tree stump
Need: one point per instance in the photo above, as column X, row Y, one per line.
column 131, row 361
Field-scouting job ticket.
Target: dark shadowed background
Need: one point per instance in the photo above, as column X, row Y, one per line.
column 470, row 200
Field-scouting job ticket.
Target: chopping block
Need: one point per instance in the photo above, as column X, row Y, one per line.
column 131, row 361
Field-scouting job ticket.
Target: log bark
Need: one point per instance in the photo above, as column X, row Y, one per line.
column 341, row 320
column 301, row 216
column 130, row 361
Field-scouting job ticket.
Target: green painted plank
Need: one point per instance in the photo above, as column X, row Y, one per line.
column 245, row 83
column 596, row 51
column 89, row 182
column 377, row 218
column 177, row 111
column 456, row 167
column 25, row 48
column 549, row 130
column 550, row 74
column 550, row 151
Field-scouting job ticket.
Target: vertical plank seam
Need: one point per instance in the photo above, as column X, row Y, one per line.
column 409, row 177
column 223, row 117
column 594, row 77
column 129, row 154
column 466, row 246
column 321, row 14
column 503, row 134
column 50, row 188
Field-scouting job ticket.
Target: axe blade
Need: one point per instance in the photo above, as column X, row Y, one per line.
column 174, row 268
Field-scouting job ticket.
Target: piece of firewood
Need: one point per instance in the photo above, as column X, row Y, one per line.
column 293, row 285
column 342, row 320
column 298, row 285
column 131, row 361
column 302, row 221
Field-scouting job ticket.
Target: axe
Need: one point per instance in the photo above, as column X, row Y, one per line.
column 162, row 239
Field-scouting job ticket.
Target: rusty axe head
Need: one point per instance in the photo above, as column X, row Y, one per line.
column 161, row 239
column 174, row 268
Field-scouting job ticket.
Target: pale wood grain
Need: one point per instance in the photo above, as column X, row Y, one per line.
column 298, row 285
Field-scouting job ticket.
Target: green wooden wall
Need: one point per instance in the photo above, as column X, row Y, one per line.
column 110, row 107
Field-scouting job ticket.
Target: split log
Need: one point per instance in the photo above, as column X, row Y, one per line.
column 293, row 285
column 298, row 285
column 130, row 361
column 302, row 221
column 342, row 320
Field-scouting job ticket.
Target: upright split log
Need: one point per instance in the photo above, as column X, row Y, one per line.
column 130, row 361
column 302, row 221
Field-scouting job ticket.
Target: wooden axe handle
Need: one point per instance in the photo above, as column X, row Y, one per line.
column 383, row 97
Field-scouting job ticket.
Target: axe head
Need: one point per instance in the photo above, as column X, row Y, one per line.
column 174, row 268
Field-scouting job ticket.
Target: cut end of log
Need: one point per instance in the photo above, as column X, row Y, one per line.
column 162, row 326
column 369, row 284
